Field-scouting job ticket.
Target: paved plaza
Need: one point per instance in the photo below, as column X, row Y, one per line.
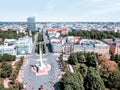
column 49, row 81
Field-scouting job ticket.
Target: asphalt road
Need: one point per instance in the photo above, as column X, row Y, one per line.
column 49, row 81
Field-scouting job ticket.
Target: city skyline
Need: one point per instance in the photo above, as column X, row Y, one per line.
column 61, row 11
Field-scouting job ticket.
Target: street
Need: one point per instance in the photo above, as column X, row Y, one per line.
column 33, row 82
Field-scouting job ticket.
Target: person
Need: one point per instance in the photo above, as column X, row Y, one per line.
column 41, row 87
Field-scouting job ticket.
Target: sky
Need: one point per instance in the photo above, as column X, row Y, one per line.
column 61, row 10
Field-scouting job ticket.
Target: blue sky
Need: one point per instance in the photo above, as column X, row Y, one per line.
column 60, row 10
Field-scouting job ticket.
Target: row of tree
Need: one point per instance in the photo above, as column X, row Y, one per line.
column 6, row 71
column 42, row 46
column 2, row 88
column 7, row 57
column 88, row 75
column 10, row 34
column 40, row 39
column 94, row 34
column 115, row 57
column 63, row 64
column 90, row 59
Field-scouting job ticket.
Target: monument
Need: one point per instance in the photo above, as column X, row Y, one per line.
column 41, row 68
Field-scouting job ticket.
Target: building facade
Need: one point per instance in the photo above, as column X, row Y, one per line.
column 56, row 45
column 114, row 45
column 24, row 45
column 31, row 23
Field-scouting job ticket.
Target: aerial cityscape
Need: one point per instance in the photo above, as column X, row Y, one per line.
column 60, row 45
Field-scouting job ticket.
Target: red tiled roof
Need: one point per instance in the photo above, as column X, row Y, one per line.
column 62, row 30
column 77, row 37
column 51, row 30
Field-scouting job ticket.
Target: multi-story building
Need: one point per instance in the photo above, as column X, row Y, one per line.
column 7, row 49
column 31, row 23
column 101, row 47
column 95, row 46
column 114, row 45
column 56, row 45
column 68, row 48
column 24, row 45
column 9, row 42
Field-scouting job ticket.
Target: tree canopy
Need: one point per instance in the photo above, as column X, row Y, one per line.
column 93, row 80
column 72, row 81
column 6, row 70
column 94, row 34
column 73, row 59
column 114, row 80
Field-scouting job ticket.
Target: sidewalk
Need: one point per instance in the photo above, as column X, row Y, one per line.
column 71, row 68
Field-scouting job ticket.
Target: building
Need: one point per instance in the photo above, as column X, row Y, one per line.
column 31, row 23
column 114, row 45
column 56, row 45
column 52, row 33
column 77, row 39
column 95, row 46
column 17, row 47
column 101, row 47
column 85, row 45
column 49, row 31
column 73, row 39
column 68, row 48
column 67, row 45
column 7, row 49
column 63, row 31
column 9, row 42
column 24, row 45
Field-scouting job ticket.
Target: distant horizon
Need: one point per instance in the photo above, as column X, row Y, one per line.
column 66, row 21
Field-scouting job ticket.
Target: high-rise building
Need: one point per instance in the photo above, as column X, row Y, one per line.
column 31, row 23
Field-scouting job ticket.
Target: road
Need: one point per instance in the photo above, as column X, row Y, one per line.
column 49, row 81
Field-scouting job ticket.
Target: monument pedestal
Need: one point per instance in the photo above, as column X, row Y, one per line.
column 41, row 68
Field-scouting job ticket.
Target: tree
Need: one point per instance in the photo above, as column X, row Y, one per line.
column 73, row 59
column 114, row 80
column 37, row 49
column 81, row 58
column 68, row 87
column 112, row 57
column 72, row 81
column 7, row 57
column 83, row 70
column 6, row 70
column 1, row 58
column 1, row 86
column 43, row 48
column 93, row 80
column 63, row 63
column 40, row 37
column 117, row 58
column 91, row 60
column 22, row 58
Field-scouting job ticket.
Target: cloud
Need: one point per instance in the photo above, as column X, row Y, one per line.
column 51, row 5
column 110, row 9
column 95, row 1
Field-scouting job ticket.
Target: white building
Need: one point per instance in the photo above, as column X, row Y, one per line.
column 7, row 49
column 24, row 45
column 9, row 42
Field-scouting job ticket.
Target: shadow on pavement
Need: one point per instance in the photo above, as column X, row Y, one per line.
column 49, row 47
column 57, row 86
